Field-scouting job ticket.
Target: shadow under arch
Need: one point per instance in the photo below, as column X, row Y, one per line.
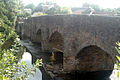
column 93, row 58
column 56, row 48
column 38, row 32
column 92, row 63
column 56, row 41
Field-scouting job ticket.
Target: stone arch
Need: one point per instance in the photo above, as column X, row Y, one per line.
column 56, row 41
column 93, row 58
column 56, row 47
column 38, row 37
column 38, row 32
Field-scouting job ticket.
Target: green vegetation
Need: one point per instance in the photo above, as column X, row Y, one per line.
column 38, row 14
column 48, row 8
column 63, row 10
column 99, row 9
column 30, row 6
column 10, row 50
column 117, row 56
column 94, row 6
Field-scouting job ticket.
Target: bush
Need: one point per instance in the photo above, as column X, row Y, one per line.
column 38, row 14
column 117, row 56
column 10, row 50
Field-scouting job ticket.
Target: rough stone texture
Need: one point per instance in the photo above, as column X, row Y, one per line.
column 75, row 32
column 56, row 41
column 92, row 58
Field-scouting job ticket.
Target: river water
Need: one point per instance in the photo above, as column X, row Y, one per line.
column 27, row 58
column 115, row 75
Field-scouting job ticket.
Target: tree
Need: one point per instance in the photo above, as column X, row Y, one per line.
column 30, row 6
column 85, row 5
column 10, row 9
column 117, row 56
column 118, row 11
column 3, row 14
column 10, row 50
column 40, row 7
column 38, row 14
column 94, row 6
column 63, row 10
column 51, row 8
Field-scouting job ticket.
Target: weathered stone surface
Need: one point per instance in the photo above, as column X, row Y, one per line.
column 92, row 58
column 71, row 33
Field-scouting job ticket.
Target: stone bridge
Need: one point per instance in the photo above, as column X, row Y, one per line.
column 86, row 42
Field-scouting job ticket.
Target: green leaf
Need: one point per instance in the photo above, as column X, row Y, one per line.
column 118, row 57
column 12, row 59
column 118, row 43
column 117, row 50
column 117, row 74
column 23, row 63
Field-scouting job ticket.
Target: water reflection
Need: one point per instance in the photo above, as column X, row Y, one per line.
column 27, row 58
column 115, row 75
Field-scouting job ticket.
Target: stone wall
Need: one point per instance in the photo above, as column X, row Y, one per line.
column 76, row 33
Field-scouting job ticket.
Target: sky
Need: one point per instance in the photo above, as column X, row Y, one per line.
column 78, row 3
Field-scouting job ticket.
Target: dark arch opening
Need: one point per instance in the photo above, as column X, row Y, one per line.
column 56, row 41
column 92, row 63
column 56, row 62
column 56, row 48
column 38, row 32
column 58, row 57
column 93, row 58
column 38, row 43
